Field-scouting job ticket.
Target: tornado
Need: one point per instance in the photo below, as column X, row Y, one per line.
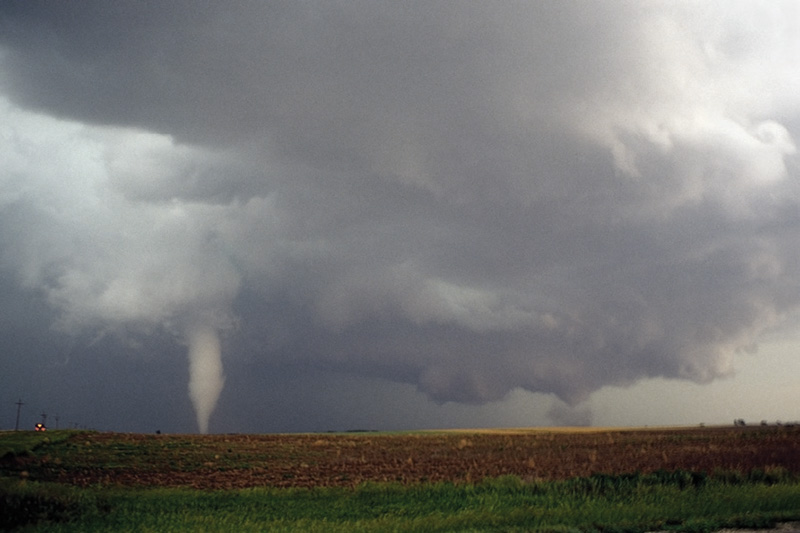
column 205, row 372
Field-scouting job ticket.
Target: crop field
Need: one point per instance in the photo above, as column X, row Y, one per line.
column 754, row 470
column 310, row 460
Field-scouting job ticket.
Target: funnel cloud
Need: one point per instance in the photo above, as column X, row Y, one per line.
column 459, row 207
column 205, row 372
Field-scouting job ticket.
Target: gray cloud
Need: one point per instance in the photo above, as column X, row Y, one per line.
column 563, row 415
column 469, row 199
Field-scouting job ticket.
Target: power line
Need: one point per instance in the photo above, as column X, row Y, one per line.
column 19, row 406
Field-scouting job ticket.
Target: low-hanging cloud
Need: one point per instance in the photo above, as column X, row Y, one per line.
column 470, row 198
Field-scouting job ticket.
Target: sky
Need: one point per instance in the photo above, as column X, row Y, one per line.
column 284, row 216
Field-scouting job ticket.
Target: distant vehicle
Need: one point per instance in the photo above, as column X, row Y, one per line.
column 39, row 427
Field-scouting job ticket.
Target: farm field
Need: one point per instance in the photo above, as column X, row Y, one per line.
column 754, row 469
column 347, row 459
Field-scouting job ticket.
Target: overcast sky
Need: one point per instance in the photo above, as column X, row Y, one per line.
column 258, row 216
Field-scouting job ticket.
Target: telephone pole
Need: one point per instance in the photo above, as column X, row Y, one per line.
column 19, row 406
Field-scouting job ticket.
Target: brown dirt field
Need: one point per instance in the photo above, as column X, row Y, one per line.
column 303, row 460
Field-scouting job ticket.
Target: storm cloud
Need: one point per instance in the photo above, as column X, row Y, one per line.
column 470, row 198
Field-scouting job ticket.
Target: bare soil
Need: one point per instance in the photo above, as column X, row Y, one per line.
column 304, row 460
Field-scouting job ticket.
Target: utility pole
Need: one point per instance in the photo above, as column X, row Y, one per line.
column 56, row 420
column 44, row 418
column 19, row 406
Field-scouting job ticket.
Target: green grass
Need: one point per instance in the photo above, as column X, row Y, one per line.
column 24, row 442
column 666, row 500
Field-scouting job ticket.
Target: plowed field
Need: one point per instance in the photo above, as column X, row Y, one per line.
column 302, row 460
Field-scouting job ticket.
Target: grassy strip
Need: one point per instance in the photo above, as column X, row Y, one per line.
column 670, row 500
column 14, row 443
column 25, row 503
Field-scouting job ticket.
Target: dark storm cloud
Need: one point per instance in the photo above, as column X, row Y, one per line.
column 469, row 198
